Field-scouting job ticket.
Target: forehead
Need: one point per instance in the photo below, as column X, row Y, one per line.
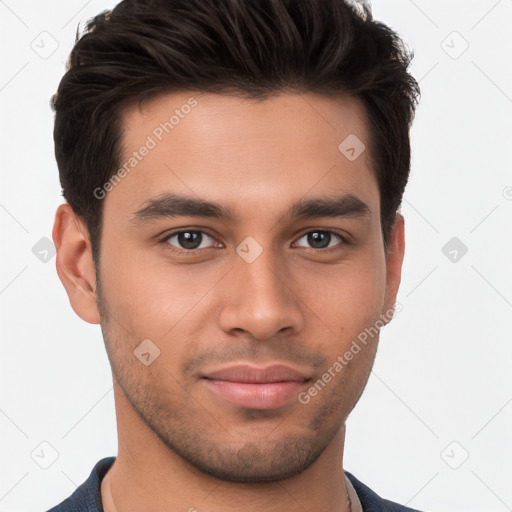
column 292, row 117
column 244, row 152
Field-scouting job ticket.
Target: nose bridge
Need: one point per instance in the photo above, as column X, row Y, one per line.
column 261, row 302
column 263, row 277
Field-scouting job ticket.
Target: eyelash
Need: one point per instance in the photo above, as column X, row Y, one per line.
column 193, row 252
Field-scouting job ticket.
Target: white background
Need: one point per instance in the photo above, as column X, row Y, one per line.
column 442, row 373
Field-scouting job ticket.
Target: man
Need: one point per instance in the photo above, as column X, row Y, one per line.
column 233, row 172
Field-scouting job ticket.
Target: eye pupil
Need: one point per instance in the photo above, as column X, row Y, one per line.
column 319, row 236
column 189, row 239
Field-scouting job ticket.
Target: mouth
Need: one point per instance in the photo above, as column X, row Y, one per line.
column 256, row 388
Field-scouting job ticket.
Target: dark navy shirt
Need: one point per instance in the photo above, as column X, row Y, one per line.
column 87, row 497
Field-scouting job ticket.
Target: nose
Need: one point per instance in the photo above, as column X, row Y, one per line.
column 261, row 298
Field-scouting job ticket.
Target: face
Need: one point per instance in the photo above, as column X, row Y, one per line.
column 241, row 264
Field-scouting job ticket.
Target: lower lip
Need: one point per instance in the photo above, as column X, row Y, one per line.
column 255, row 396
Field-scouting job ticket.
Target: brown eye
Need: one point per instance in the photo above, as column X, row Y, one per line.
column 321, row 240
column 188, row 240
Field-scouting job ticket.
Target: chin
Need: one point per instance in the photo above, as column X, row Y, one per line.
column 253, row 462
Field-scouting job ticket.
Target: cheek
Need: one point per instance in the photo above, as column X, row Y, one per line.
column 349, row 298
column 151, row 298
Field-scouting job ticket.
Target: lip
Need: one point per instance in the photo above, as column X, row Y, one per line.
column 256, row 388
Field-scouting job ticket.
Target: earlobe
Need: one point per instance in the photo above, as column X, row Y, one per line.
column 74, row 262
column 394, row 262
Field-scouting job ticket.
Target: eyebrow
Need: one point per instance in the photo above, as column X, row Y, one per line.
column 174, row 205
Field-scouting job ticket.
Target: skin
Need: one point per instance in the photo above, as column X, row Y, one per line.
column 181, row 447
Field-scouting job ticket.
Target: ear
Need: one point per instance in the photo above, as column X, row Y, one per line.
column 394, row 259
column 74, row 262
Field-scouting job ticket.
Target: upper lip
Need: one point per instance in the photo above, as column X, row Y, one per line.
column 252, row 374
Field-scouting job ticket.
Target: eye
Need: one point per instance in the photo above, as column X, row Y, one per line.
column 320, row 240
column 191, row 241
column 187, row 240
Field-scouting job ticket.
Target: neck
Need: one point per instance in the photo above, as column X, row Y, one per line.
column 148, row 476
